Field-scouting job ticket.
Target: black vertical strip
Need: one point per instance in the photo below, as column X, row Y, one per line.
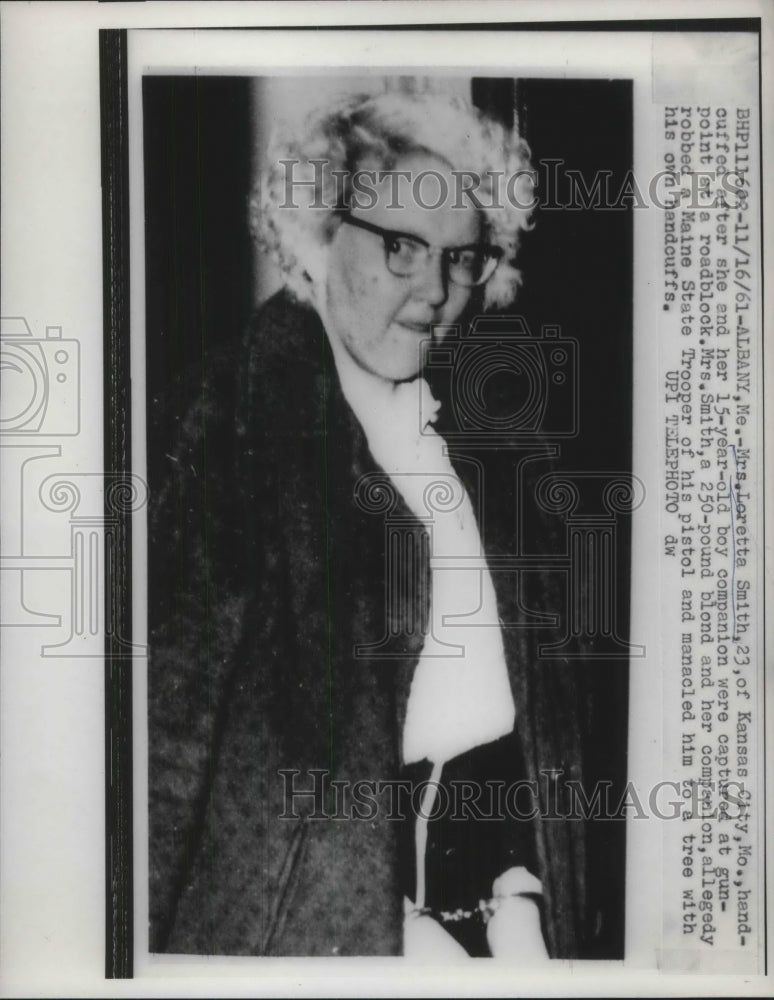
column 117, row 459
column 495, row 97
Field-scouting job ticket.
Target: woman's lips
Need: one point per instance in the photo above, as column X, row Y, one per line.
column 417, row 327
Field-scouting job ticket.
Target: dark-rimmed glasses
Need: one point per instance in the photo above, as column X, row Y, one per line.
column 407, row 255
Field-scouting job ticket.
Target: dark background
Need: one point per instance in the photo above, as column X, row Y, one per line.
column 577, row 268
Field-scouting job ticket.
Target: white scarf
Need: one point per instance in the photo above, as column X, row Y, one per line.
column 460, row 694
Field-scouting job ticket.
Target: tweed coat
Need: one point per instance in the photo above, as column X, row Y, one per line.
column 267, row 571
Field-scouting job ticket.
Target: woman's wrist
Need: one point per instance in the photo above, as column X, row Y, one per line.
column 513, row 925
column 516, row 881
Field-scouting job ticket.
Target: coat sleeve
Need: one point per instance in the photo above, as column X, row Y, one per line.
column 196, row 608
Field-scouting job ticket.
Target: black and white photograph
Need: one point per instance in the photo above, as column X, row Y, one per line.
column 383, row 454
column 388, row 548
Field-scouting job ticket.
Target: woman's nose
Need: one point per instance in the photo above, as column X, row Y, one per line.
column 431, row 284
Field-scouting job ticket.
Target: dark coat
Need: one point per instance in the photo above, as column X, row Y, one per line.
column 265, row 575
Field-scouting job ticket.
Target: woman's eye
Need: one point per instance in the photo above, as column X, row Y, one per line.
column 463, row 258
column 403, row 249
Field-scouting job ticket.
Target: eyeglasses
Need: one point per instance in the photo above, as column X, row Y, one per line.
column 406, row 255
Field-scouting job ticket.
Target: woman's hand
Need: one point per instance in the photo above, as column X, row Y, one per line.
column 513, row 930
column 424, row 938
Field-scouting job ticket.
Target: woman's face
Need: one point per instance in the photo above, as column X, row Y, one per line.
column 385, row 321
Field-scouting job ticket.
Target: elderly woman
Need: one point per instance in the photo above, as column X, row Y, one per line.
column 334, row 670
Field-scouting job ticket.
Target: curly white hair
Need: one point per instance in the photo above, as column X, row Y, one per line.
column 362, row 129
